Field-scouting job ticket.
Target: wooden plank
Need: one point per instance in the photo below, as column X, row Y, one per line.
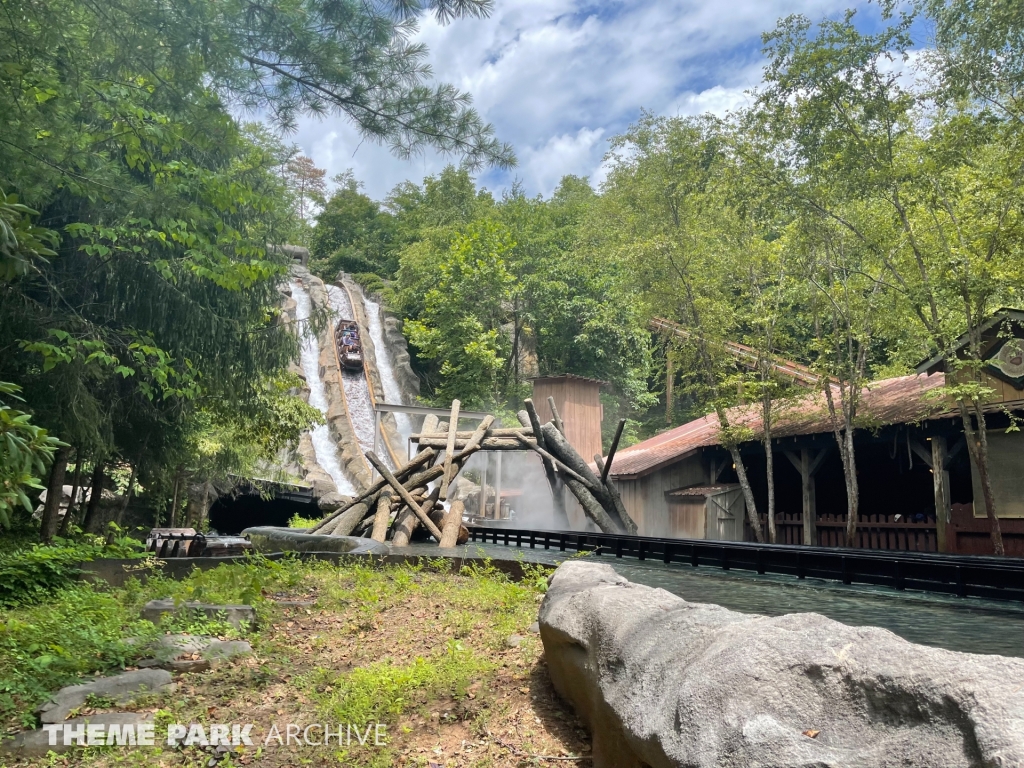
column 548, row 457
column 453, row 425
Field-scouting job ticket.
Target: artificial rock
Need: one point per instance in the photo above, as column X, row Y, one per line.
column 664, row 682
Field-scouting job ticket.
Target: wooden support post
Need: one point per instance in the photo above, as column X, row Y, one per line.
column 404, row 494
column 449, row 450
column 555, row 418
column 452, row 525
column 807, row 464
column 555, row 483
column 381, row 518
column 497, row 487
column 611, row 452
column 940, row 481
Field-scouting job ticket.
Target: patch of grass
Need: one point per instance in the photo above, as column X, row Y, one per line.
column 384, row 691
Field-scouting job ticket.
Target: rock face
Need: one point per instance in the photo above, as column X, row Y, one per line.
column 120, row 688
column 663, row 682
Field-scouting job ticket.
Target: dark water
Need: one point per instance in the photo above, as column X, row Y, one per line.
column 970, row 625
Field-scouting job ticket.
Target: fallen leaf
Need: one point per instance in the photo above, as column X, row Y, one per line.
column 811, row 733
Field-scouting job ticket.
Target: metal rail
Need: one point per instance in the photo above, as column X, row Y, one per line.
column 962, row 575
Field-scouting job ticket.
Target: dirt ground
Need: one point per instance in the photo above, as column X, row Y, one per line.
column 446, row 664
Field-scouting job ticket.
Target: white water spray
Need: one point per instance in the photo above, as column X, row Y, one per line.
column 323, row 443
column 392, row 389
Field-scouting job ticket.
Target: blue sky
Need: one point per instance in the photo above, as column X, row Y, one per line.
column 559, row 78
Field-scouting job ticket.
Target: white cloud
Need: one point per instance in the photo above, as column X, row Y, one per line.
column 557, row 78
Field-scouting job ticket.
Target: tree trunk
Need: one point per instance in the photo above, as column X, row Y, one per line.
column 748, row 494
column 769, row 465
column 852, row 491
column 54, row 494
column 176, row 497
column 76, row 483
column 127, row 497
column 405, row 524
column 977, row 447
column 348, row 522
column 99, row 477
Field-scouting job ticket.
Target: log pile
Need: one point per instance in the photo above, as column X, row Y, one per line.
column 401, row 502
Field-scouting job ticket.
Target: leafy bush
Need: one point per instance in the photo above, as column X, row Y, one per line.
column 80, row 631
column 25, row 449
column 33, row 573
column 298, row 521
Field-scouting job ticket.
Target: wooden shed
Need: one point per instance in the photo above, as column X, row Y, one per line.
column 706, row 512
column 578, row 400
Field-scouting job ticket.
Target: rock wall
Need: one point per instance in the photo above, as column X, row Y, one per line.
column 663, row 682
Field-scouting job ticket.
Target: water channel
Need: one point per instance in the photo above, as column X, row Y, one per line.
column 970, row 625
column 357, row 389
column 323, row 443
column 388, row 379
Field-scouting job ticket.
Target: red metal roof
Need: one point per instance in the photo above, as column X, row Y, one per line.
column 890, row 401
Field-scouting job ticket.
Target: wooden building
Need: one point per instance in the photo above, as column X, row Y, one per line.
column 578, row 400
column 1002, row 351
column 915, row 474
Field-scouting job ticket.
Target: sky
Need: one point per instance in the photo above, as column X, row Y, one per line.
column 559, row 78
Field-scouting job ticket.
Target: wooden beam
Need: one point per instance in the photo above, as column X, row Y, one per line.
column 414, row 463
column 449, row 450
column 548, row 457
column 404, row 494
column 918, row 447
column 611, row 452
column 555, row 418
column 940, row 484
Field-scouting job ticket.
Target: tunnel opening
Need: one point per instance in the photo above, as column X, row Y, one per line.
column 231, row 514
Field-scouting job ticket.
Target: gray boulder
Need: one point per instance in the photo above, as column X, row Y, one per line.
column 236, row 615
column 329, row 502
column 37, row 743
column 226, row 649
column 120, row 688
column 663, row 682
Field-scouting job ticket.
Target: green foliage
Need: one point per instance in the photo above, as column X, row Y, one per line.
column 79, row 631
column 25, row 450
column 298, row 521
column 492, row 289
column 32, row 574
column 21, row 243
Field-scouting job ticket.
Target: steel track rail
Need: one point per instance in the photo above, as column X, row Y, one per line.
column 962, row 575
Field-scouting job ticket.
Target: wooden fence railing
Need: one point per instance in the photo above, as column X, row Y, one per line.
column 874, row 531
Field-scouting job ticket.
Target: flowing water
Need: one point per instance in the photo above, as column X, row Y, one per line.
column 357, row 389
column 323, row 443
column 392, row 389
column 969, row 625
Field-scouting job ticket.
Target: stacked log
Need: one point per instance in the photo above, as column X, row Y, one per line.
column 402, row 501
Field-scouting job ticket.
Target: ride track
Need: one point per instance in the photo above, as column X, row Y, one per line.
column 364, row 334
column 999, row 578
